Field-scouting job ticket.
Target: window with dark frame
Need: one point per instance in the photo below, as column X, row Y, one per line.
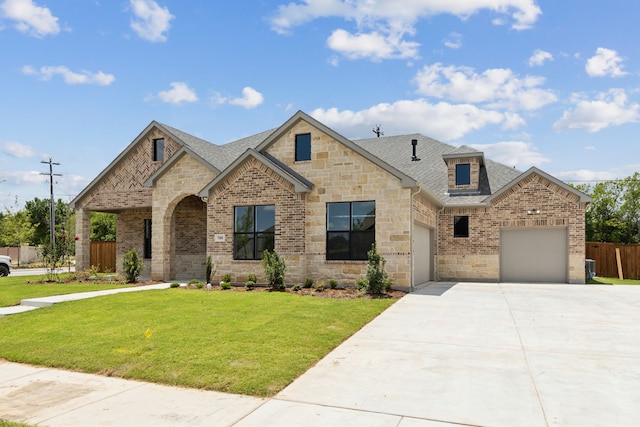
column 350, row 230
column 460, row 226
column 303, row 147
column 158, row 149
column 463, row 174
column 254, row 231
column 147, row 239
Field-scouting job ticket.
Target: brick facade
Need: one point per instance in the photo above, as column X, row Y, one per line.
column 187, row 227
column 478, row 256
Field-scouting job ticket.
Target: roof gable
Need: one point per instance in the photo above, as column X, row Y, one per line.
column 533, row 170
column 406, row 180
column 300, row 184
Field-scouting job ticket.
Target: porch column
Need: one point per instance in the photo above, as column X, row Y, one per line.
column 83, row 244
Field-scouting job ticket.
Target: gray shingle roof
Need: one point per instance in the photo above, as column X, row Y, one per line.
column 431, row 170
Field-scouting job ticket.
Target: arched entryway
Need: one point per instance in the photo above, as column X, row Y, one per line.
column 188, row 239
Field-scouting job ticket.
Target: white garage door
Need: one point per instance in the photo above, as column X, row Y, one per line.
column 422, row 254
column 534, row 255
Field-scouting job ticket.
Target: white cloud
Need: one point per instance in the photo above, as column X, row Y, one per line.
column 513, row 153
column 70, row 77
column 585, row 176
column 605, row 62
column 442, row 120
column 15, row 149
column 151, row 21
column 250, row 98
column 539, row 57
column 30, row 18
column 590, row 148
column 608, row 109
column 498, row 87
column 375, row 45
column 453, row 41
column 178, row 94
column 366, row 12
column 385, row 23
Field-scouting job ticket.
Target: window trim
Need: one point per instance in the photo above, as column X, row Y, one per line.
column 351, row 233
column 466, row 172
column 456, row 232
column 298, row 153
column 253, row 235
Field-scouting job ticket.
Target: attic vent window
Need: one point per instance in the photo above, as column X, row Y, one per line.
column 158, row 150
column 463, row 174
column 303, row 147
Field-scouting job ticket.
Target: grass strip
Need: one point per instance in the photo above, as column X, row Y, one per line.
column 252, row 343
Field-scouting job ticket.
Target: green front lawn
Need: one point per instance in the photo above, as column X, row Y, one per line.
column 613, row 281
column 15, row 288
column 251, row 343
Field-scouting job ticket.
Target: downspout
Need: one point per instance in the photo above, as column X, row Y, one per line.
column 413, row 258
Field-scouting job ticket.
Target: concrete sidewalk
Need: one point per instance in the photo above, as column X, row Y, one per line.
column 33, row 303
column 449, row 354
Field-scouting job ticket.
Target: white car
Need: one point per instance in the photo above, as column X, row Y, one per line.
column 5, row 265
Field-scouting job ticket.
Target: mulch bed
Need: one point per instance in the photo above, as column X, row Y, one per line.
column 337, row 293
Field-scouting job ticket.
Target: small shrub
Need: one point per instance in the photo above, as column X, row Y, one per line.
column 296, row 288
column 318, row 286
column 252, row 278
column 174, row 285
column 199, row 285
column 308, row 283
column 132, row 266
column 274, row 270
column 193, row 282
column 226, row 278
column 333, row 283
column 362, row 284
column 225, row 285
column 376, row 276
column 388, row 286
column 250, row 285
column 93, row 270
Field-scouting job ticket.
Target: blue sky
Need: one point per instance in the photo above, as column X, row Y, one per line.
column 545, row 83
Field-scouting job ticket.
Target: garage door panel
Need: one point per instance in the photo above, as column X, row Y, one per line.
column 534, row 255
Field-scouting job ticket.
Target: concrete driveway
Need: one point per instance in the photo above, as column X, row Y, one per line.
column 449, row 354
column 481, row 355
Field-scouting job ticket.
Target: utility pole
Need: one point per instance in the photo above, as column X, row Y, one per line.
column 52, row 209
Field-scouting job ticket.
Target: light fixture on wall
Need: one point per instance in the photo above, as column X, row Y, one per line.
column 534, row 211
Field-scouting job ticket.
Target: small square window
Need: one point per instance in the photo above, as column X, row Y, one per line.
column 303, row 147
column 460, row 226
column 463, row 174
column 158, row 150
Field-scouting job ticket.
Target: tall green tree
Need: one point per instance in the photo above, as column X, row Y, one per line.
column 17, row 229
column 614, row 214
column 103, row 226
column 39, row 211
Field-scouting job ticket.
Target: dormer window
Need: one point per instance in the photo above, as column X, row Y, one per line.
column 158, row 150
column 303, row 147
column 463, row 174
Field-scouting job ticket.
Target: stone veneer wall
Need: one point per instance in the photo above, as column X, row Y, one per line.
column 478, row 256
column 253, row 183
column 341, row 175
column 173, row 197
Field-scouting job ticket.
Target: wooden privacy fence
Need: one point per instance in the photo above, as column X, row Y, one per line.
column 103, row 256
column 604, row 254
